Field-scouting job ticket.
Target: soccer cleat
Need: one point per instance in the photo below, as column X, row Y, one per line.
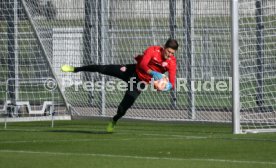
column 110, row 127
column 67, row 68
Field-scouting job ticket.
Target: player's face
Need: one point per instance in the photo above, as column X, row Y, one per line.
column 167, row 52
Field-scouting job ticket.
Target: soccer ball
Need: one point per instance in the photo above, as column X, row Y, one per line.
column 161, row 83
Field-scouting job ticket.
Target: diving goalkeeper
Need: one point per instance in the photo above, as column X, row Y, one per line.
column 155, row 61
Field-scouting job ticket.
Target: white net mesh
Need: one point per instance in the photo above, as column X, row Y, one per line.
column 24, row 71
column 83, row 32
column 113, row 32
column 257, row 64
column 37, row 37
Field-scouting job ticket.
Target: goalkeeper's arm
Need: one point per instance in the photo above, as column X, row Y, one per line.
column 172, row 77
column 156, row 75
column 144, row 65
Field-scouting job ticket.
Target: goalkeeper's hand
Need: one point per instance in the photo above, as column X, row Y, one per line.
column 168, row 87
column 156, row 75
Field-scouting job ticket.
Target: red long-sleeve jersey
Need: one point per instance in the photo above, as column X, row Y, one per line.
column 152, row 59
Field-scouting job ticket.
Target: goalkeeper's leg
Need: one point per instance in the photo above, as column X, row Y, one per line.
column 119, row 71
column 129, row 98
column 126, row 103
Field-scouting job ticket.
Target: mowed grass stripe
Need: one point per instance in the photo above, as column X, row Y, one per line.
column 153, row 136
column 137, row 157
column 135, row 143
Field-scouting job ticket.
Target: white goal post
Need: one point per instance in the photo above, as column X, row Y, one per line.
column 253, row 60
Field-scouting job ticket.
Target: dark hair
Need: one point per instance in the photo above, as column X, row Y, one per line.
column 171, row 43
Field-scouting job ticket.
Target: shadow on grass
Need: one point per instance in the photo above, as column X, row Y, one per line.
column 79, row 131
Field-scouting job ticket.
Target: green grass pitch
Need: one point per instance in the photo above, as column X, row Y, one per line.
column 135, row 144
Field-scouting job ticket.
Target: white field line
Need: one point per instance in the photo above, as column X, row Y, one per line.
column 138, row 157
column 178, row 136
column 205, row 137
column 101, row 139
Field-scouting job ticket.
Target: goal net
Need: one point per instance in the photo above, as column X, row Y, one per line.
column 82, row 32
column 51, row 33
column 27, row 84
column 257, row 65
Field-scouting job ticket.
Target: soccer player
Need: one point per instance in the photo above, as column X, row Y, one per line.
column 155, row 61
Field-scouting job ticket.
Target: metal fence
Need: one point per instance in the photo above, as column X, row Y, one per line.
column 81, row 32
